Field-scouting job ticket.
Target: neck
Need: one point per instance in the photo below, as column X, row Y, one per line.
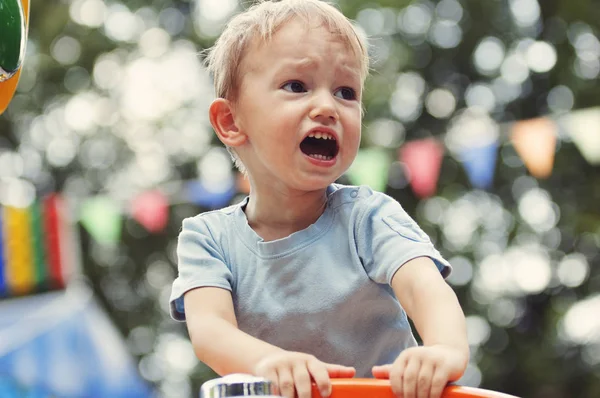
column 274, row 214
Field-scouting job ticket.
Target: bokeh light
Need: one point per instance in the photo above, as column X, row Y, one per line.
column 113, row 100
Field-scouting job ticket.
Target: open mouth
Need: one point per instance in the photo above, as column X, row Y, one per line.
column 322, row 146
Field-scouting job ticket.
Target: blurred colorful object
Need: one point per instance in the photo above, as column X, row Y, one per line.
column 371, row 167
column 35, row 243
column 102, row 218
column 535, row 142
column 472, row 138
column 14, row 20
column 480, row 164
column 62, row 344
column 423, row 159
column 10, row 388
column 151, row 210
column 211, row 196
column 583, row 127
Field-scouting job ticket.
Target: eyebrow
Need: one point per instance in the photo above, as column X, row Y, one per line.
column 308, row 63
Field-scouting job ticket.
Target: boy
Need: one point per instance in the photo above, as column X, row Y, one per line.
column 306, row 279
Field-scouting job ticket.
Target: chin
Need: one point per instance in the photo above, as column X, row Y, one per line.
column 315, row 184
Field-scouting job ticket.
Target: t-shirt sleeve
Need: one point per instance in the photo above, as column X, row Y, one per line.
column 387, row 237
column 200, row 263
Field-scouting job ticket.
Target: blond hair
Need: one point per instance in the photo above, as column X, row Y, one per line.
column 261, row 21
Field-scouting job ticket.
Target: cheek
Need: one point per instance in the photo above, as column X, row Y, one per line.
column 356, row 139
column 354, row 117
column 354, row 126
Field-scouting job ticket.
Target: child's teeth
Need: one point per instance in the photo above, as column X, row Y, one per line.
column 321, row 157
column 322, row 136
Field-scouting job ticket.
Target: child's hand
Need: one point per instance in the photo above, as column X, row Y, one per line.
column 423, row 372
column 293, row 372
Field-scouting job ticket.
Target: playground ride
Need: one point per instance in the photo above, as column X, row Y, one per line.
column 38, row 247
column 241, row 385
column 14, row 21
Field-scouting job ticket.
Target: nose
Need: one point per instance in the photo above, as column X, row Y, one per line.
column 324, row 108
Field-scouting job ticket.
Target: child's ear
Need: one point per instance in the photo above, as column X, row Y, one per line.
column 223, row 121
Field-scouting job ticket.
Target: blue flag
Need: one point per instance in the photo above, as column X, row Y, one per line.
column 480, row 164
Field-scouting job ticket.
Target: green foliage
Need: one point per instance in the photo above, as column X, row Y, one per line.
column 118, row 153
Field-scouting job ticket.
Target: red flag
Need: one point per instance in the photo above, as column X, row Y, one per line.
column 423, row 159
column 151, row 209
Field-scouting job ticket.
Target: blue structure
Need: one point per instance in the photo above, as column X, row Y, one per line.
column 62, row 344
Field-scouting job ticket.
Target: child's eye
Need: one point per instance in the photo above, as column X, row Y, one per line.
column 346, row 93
column 294, row 87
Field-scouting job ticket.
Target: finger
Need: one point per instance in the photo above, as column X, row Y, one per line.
column 320, row 375
column 339, row 371
column 424, row 380
column 438, row 383
column 410, row 377
column 381, row 372
column 302, row 381
column 285, row 383
column 271, row 375
column 397, row 375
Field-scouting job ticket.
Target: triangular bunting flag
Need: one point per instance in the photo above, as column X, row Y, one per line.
column 473, row 140
column 151, row 210
column 101, row 217
column 535, row 142
column 423, row 159
column 370, row 168
column 480, row 164
column 584, row 129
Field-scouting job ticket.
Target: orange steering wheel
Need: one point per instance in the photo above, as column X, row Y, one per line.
column 375, row 388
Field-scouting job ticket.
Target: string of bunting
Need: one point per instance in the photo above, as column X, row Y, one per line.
column 39, row 245
column 28, row 259
column 474, row 141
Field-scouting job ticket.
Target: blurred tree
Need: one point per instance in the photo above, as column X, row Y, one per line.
column 113, row 100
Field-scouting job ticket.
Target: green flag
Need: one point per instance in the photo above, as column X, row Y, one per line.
column 371, row 168
column 101, row 217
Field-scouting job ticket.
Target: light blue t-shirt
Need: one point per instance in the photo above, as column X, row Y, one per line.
column 324, row 290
